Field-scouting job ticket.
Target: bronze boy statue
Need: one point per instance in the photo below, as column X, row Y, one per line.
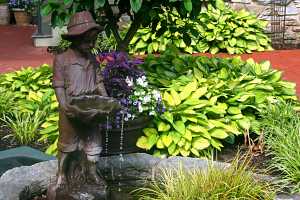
column 76, row 74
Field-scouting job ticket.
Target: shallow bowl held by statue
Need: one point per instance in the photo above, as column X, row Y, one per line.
column 96, row 102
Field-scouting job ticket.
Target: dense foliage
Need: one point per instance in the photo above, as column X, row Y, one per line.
column 31, row 105
column 209, row 101
column 281, row 125
column 219, row 29
column 215, row 183
column 142, row 13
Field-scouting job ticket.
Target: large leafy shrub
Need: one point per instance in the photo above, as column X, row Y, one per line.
column 219, row 29
column 31, row 91
column 209, row 101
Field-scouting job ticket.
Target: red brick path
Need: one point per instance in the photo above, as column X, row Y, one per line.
column 16, row 50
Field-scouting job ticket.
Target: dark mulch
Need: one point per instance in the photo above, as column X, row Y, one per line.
column 8, row 142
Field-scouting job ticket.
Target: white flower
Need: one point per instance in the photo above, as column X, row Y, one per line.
column 147, row 99
column 140, row 107
column 152, row 113
column 133, row 116
column 156, row 94
column 142, row 81
column 129, row 81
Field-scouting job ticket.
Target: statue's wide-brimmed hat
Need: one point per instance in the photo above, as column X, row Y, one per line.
column 81, row 23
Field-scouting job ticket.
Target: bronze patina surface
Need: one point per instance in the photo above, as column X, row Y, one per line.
column 83, row 102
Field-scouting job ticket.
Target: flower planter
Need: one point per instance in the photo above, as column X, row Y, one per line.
column 22, row 17
column 4, row 14
column 133, row 129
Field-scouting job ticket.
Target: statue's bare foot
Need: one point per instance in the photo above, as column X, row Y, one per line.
column 61, row 181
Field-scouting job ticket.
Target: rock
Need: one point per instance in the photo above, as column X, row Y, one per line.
column 130, row 170
column 14, row 181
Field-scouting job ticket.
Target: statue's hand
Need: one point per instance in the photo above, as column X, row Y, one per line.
column 70, row 110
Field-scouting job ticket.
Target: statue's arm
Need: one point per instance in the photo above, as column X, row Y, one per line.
column 58, row 82
column 100, row 84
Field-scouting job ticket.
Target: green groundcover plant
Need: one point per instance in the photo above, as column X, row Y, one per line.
column 281, row 125
column 209, row 101
column 217, row 29
column 234, row 182
column 31, row 107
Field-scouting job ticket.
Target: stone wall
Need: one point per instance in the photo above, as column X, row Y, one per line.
column 262, row 9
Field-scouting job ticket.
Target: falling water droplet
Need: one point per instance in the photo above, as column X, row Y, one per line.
column 106, row 143
column 121, row 158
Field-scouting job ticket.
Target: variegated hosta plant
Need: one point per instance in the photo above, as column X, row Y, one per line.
column 209, row 101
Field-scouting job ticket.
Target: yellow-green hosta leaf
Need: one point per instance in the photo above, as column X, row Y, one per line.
column 160, row 144
column 142, row 142
column 163, row 127
column 176, row 97
column 216, row 144
column 168, row 116
column 168, row 98
column 200, row 143
column 199, row 93
column 188, row 135
column 195, row 152
column 184, row 152
column 150, row 131
column 187, row 90
column 182, row 142
column 167, row 140
column 179, row 126
column 218, row 133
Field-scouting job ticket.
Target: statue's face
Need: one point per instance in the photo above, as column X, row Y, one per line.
column 87, row 42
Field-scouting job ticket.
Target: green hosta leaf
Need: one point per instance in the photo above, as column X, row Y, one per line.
column 276, row 76
column 99, row 3
column 163, row 127
column 216, row 144
column 214, row 50
column 176, row 97
column 179, row 126
column 238, row 31
column 150, row 131
column 136, row 5
column 220, row 108
column 151, row 141
column 244, row 123
column 234, row 110
column 188, row 5
column 168, row 116
column 187, row 90
column 218, row 133
column 142, row 142
column 220, row 4
column 200, row 143
column 175, row 136
column 172, row 149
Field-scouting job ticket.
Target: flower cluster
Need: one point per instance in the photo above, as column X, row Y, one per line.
column 27, row 5
column 117, row 67
column 126, row 82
